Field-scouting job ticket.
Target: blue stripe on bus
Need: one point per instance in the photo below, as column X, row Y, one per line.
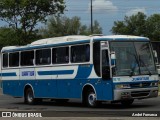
column 9, row 74
column 84, row 71
column 59, row 72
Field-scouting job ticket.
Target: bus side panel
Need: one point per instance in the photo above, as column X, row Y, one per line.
column 107, row 92
column 45, row 88
column 81, row 79
column 72, row 86
column 103, row 88
column 10, row 81
column 55, row 81
column 63, row 88
column 13, row 88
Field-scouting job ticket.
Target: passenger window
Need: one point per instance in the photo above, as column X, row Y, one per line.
column 43, row 57
column 14, row 59
column 80, row 53
column 27, row 58
column 60, row 55
column 5, row 60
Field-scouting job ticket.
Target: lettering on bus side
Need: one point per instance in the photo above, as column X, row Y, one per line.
column 140, row 78
column 28, row 73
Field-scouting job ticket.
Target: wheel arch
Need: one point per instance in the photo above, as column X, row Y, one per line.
column 85, row 88
column 26, row 87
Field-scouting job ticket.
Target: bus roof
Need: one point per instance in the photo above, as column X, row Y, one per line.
column 63, row 39
column 72, row 39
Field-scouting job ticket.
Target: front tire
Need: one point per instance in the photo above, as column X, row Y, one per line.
column 91, row 99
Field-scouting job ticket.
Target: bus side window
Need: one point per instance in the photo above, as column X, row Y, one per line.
column 54, row 56
column 43, row 57
column 49, row 60
column 27, row 58
column 87, row 52
column 60, row 55
column 73, row 55
column 14, row 59
column 5, row 60
column 80, row 53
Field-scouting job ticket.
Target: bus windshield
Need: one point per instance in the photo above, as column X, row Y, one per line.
column 133, row 58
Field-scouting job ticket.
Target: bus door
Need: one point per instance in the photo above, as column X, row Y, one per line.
column 106, row 71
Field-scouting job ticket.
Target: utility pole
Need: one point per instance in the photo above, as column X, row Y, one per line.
column 91, row 19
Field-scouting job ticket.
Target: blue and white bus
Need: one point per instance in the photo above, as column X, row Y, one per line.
column 93, row 69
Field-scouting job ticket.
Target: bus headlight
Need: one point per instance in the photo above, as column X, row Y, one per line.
column 154, row 84
column 122, row 86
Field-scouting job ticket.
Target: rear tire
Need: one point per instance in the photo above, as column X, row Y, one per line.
column 29, row 97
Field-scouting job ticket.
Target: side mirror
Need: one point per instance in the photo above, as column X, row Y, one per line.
column 155, row 53
column 155, row 56
column 113, row 59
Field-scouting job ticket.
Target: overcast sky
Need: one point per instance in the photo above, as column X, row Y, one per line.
column 108, row 11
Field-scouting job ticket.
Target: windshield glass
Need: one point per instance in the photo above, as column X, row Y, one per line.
column 133, row 58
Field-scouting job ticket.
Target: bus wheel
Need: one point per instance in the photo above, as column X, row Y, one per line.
column 29, row 97
column 127, row 102
column 91, row 99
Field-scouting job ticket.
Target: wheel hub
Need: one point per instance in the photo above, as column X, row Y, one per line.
column 30, row 97
column 92, row 99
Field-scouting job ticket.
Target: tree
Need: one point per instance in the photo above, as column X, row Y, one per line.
column 61, row 26
column 7, row 37
column 97, row 29
column 24, row 15
column 139, row 25
column 134, row 24
column 153, row 27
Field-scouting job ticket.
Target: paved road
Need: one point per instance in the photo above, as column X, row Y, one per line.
column 8, row 103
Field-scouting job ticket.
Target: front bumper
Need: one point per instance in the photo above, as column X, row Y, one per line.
column 141, row 93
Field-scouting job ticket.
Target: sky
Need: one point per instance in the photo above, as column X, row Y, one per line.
column 108, row 11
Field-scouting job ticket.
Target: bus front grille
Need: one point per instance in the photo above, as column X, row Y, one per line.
column 140, row 85
column 140, row 93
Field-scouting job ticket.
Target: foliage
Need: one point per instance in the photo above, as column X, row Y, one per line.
column 153, row 27
column 24, row 15
column 7, row 37
column 97, row 29
column 10, row 37
column 139, row 25
column 61, row 26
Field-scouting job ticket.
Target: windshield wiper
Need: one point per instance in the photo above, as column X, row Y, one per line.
column 135, row 65
column 149, row 72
